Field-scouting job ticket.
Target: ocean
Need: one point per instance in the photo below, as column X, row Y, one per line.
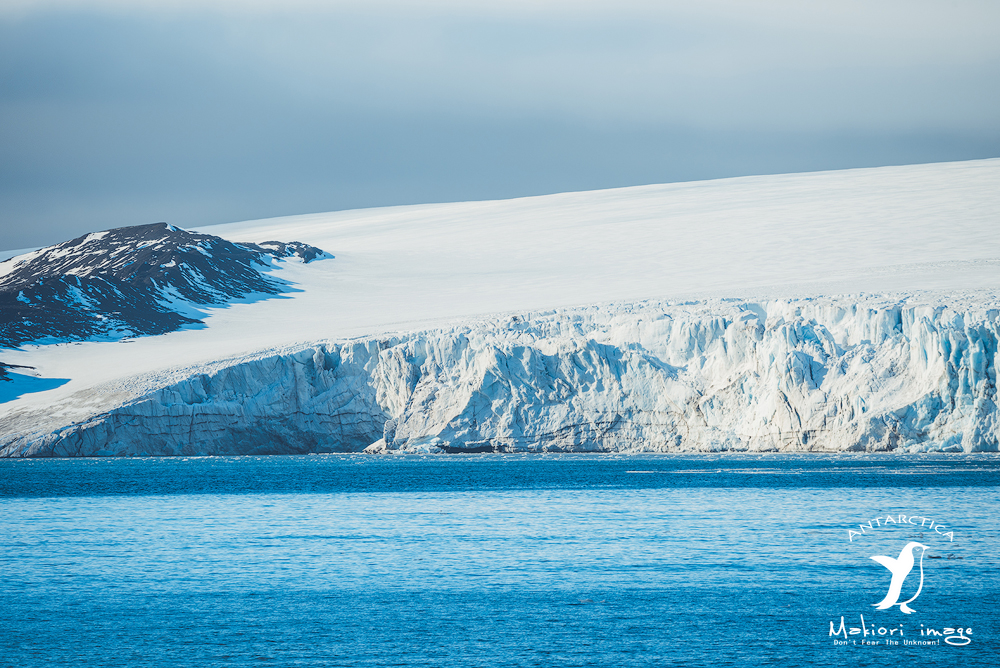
column 499, row 560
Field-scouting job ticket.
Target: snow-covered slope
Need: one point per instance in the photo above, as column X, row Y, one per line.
column 408, row 351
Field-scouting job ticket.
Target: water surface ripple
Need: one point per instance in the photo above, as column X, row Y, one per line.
column 559, row 560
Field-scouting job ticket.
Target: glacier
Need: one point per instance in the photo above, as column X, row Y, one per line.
column 852, row 310
column 856, row 374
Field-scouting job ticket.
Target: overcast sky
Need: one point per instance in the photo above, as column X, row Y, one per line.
column 122, row 112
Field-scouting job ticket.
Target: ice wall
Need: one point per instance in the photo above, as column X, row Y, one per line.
column 819, row 375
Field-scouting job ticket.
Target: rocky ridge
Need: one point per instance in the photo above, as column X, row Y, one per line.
column 131, row 281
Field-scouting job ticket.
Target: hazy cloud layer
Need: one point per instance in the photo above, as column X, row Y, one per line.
column 115, row 113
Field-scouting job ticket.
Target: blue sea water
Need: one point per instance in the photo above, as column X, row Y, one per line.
column 495, row 560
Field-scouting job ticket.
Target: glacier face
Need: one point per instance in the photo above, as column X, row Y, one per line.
column 827, row 374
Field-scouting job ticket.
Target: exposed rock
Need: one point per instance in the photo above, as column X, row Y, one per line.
column 4, row 367
column 130, row 281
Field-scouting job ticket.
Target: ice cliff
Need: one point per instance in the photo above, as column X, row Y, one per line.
column 817, row 375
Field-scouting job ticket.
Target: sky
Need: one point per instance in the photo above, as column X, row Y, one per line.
column 126, row 112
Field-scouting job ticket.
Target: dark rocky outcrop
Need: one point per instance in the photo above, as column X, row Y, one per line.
column 131, row 281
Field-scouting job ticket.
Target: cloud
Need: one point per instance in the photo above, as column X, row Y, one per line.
column 724, row 64
column 110, row 108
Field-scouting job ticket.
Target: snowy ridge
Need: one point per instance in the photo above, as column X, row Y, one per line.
column 138, row 280
column 830, row 374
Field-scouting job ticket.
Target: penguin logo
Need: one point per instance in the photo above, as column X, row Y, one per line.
column 900, row 567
